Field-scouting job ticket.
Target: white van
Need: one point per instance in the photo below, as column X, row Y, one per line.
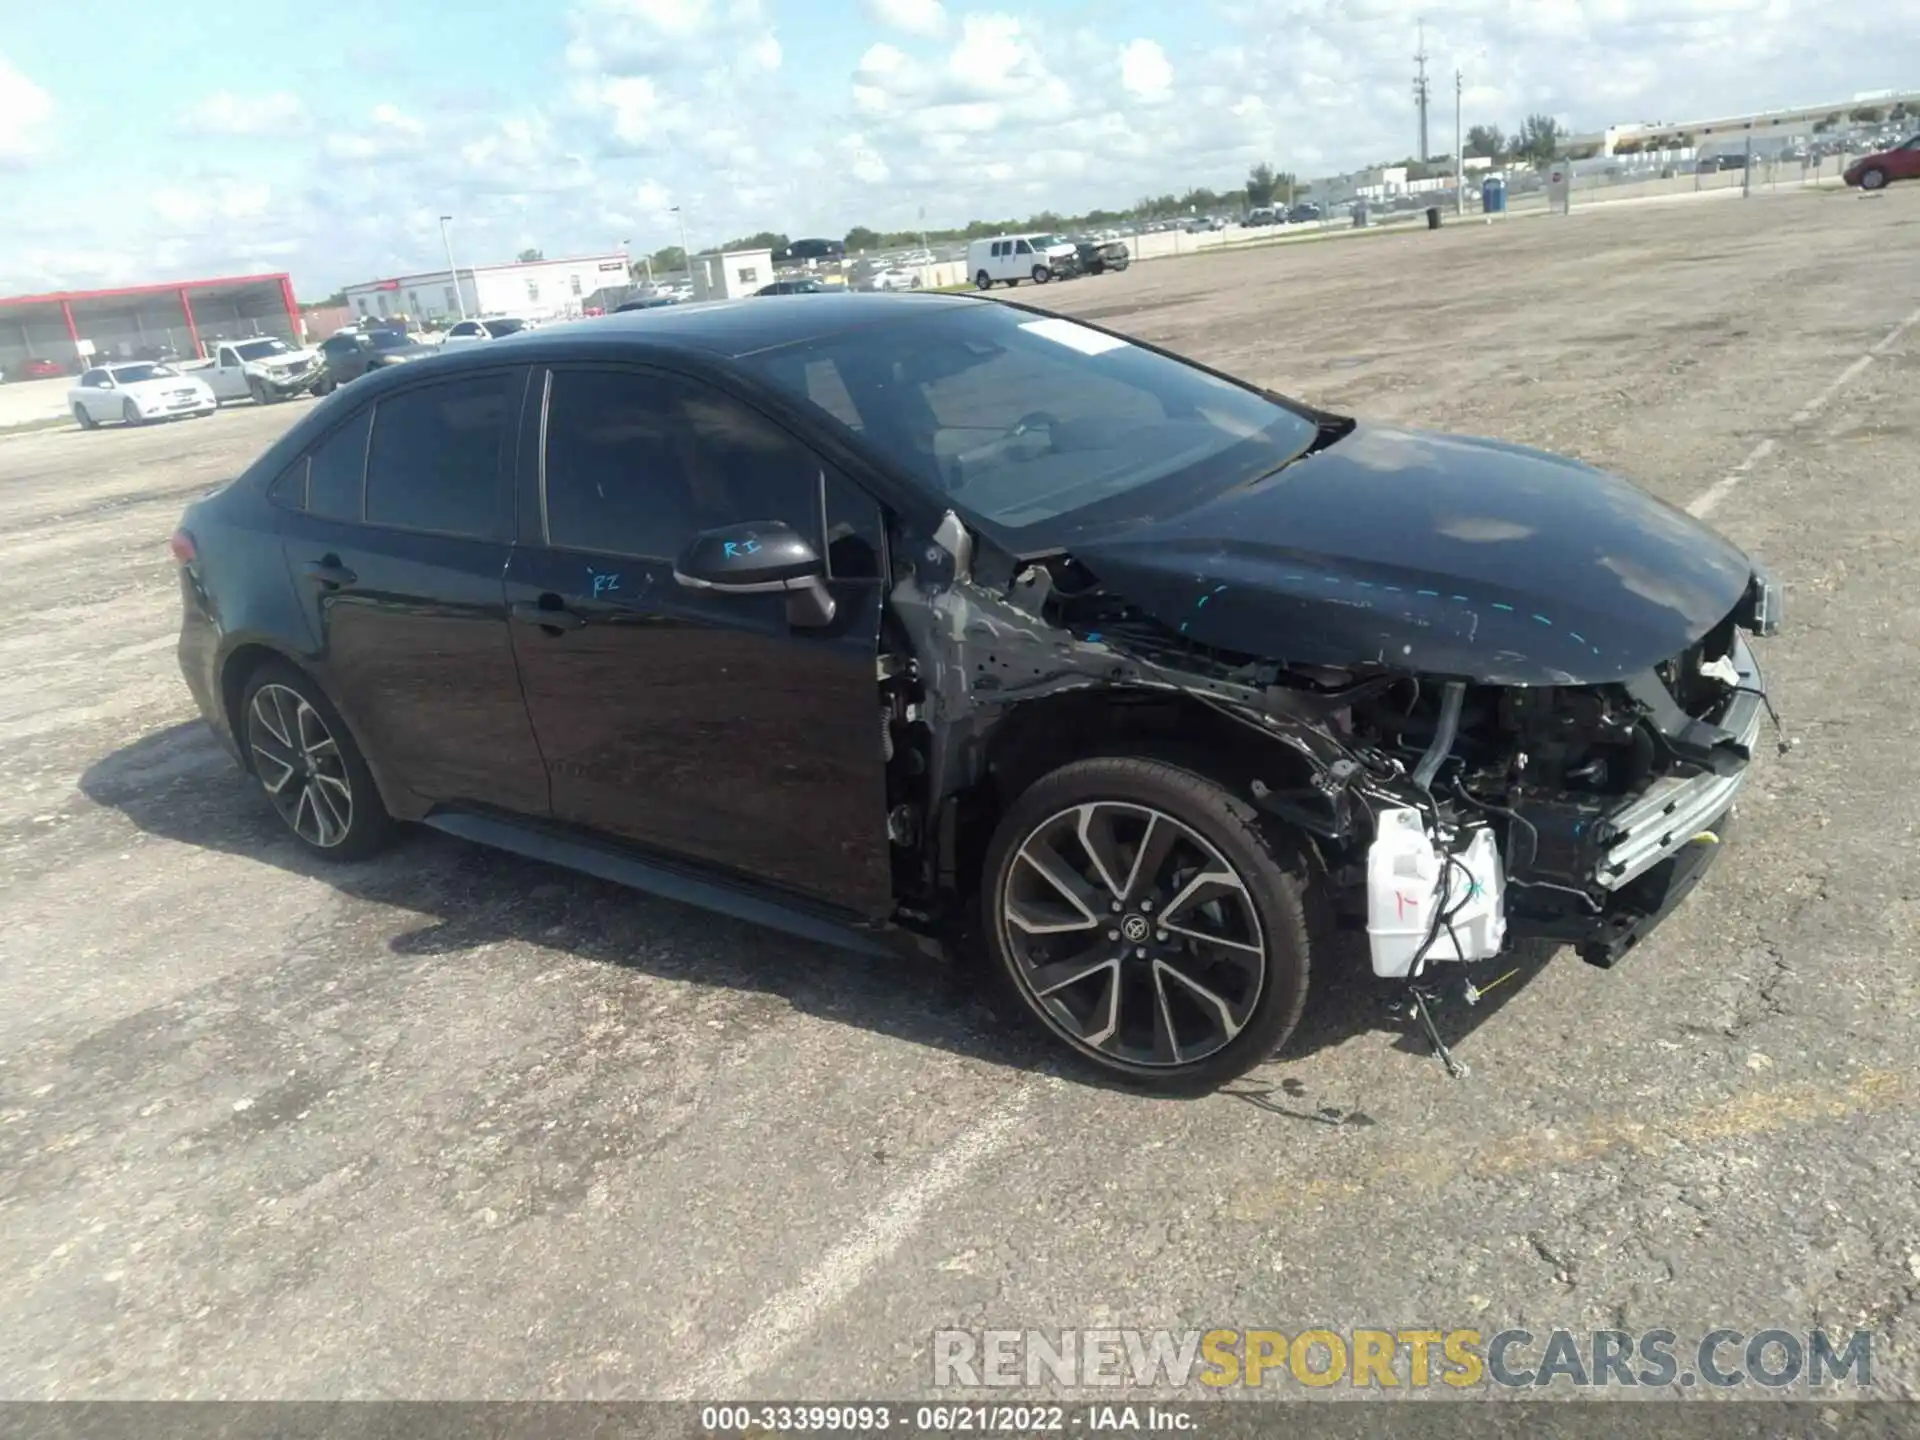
column 1013, row 258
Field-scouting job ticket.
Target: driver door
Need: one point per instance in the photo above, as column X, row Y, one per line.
column 96, row 397
column 705, row 727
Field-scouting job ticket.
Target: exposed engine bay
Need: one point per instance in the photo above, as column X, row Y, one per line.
column 1452, row 816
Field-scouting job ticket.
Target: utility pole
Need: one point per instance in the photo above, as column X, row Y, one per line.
column 1459, row 150
column 1420, row 90
column 453, row 274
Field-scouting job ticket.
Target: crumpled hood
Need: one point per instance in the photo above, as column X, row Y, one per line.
column 1449, row 556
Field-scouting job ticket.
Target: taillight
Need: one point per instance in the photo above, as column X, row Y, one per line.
column 182, row 546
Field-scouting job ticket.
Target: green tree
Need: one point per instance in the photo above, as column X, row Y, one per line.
column 762, row 240
column 1262, row 185
column 1538, row 140
column 1866, row 114
column 1486, row 140
column 529, row 256
column 861, row 238
column 667, row 260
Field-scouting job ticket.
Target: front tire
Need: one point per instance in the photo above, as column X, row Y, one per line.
column 1041, row 274
column 1140, row 914
column 1874, row 179
column 308, row 765
column 258, row 390
column 130, row 413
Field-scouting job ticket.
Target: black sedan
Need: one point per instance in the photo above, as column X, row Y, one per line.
column 353, row 353
column 915, row 618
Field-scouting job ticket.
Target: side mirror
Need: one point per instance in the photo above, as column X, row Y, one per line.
column 756, row 558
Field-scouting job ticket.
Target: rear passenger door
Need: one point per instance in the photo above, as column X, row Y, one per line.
column 397, row 542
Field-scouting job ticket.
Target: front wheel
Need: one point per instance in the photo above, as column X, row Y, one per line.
column 1874, row 179
column 1140, row 914
column 258, row 390
column 309, row 766
column 1041, row 274
column 130, row 413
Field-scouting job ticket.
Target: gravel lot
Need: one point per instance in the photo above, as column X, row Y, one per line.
column 454, row 1125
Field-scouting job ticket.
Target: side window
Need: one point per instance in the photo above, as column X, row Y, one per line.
column 1024, row 248
column 999, row 248
column 639, row 464
column 290, row 489
column 334, row 488
column 434, row 463
column 227, row 358
column 91, row 380
column 854, row 530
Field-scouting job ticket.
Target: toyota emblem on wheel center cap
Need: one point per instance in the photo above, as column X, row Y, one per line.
column 1134, row 927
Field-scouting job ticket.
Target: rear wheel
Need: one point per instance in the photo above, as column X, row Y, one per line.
column 1138, row 911
column 308, row 765
column 85, row 421
column 130, row 413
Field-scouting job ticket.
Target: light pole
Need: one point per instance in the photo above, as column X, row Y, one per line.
column 453, row 274
column 1459, row 150
column 686, row 255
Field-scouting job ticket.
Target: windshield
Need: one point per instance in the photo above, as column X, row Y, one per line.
column 134, row 374
column 497, row 328
column 262, row 349
column 390, row 340
column 1036, row 424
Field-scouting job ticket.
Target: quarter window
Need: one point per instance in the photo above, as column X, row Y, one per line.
column 435, row 460
column 639, row 464
column 338, row 467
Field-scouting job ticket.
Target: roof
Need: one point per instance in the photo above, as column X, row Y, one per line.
column 170, row 287
column 730, row 328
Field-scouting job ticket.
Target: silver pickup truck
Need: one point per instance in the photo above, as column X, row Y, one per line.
column 266, row 369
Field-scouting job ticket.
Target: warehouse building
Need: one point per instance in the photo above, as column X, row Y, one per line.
column 535, row 289
column 182, row 318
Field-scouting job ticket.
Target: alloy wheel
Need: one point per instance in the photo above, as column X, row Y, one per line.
column 1132, row 935
column 300, row 765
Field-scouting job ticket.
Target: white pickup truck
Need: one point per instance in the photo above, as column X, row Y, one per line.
column 266, row 369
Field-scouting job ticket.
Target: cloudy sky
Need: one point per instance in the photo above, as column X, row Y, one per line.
column 326, row 138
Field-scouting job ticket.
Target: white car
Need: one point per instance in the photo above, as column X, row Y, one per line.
column 471, row 332
column 895, row 278
column 137, row 392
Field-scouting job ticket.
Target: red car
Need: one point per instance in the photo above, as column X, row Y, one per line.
column 40, row 370
column 1874, row 172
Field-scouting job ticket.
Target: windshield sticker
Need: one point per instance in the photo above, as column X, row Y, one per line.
column 1074, row 337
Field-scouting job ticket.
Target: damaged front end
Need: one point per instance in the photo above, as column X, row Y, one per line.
column 1452, row 815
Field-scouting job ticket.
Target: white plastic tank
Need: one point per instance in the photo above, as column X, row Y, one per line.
column 1409, row 877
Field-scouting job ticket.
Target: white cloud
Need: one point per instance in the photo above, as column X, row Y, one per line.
column 226, row 113
column 24, row 111
column 925, row 18
column 1145, row 70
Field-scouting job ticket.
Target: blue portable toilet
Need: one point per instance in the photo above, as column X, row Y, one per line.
column 1493, row 194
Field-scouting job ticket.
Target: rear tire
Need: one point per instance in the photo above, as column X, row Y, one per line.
column 309, row 766
column 86, row 421
column 1099, row 923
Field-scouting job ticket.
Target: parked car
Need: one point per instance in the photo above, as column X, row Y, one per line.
column 1096, row 257
column 38, row 369
column 265, row 369
column 814, row 250
column 352, row 353
column 136, row 393
column 471, row 332
column 1086, row 680
column 794, row 287
column 1009, row 259
column 646, row 302
column 894, row 277
column 1877, row 171
column 1306, row 212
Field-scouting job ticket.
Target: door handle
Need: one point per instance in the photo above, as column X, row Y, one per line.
column 329, row 572
column 556, row 618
